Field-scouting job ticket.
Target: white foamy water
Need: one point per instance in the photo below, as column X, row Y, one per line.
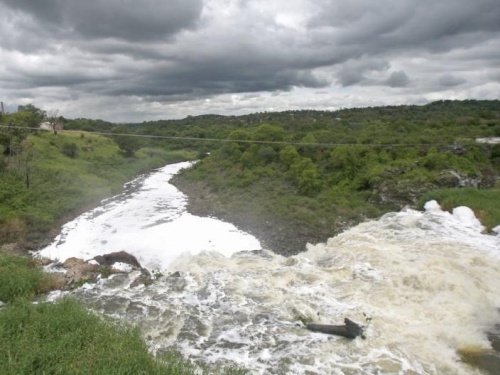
column 148, row 220
column 427, row 281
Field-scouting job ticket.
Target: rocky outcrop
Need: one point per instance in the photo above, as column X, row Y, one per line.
column 401, row 193
column 453, row 179
column 79, row 271
column 117, row 257
column 75, row 271
column 393, row 188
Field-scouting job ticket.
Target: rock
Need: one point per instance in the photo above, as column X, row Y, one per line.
column 144, row 278
column 117, row 257
column 454, row 179
column 400, row 192
column 79, row 271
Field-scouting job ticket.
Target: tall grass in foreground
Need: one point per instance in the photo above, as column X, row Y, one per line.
column 20, row 278
column 65, row 338
column 484, row 203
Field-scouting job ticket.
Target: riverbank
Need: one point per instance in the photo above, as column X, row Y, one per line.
column 285, row 237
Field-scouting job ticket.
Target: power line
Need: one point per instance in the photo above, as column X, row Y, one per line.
column 309, row 144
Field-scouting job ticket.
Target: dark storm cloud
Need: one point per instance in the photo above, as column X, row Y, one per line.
column 123, row 19
column 353, row 71
column 405, row 23
column 201, row 81
column 181, row 50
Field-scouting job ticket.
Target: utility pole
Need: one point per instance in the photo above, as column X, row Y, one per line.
column 2, row 110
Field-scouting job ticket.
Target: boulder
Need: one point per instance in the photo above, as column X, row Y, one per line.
column 117, row 257
column 124, row 257
column 79, row 271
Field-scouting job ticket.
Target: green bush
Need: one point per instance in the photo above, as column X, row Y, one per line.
column 70, row 149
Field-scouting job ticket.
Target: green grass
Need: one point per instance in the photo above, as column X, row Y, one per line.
column 65, row 338
column 484, row 203
column 20, row 278
column 61, row 186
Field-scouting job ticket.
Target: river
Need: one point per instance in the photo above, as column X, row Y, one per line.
column 424, row 285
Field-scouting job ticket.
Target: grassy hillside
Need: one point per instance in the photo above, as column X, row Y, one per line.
column 52, row 177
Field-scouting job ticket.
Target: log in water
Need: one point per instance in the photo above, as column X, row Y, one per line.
column 349, row 329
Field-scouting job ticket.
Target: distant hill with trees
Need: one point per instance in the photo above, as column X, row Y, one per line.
column 302, row 176
column 299, row 176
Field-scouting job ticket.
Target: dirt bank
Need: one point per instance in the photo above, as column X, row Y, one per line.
column 282, row 237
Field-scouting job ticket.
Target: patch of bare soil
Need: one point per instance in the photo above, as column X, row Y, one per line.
column 282, row 237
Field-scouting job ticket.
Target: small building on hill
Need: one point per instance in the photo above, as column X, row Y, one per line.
column 47, row 126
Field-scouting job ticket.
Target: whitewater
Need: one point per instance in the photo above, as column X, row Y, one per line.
column 424, row 285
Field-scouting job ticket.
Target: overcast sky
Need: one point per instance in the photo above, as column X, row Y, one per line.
column 135, row 60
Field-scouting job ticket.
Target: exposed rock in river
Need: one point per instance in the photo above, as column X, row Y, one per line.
column 75, row 271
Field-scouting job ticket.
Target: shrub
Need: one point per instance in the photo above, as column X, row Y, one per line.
column 70, row 149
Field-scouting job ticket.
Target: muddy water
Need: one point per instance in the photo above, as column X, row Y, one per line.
column 424, row 284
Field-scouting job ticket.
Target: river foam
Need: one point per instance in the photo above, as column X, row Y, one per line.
column 424, row 284
column 148, row 220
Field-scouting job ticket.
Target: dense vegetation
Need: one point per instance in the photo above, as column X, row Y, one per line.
column 299, row 176
column 306, row 175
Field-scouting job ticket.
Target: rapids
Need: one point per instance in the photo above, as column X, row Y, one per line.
column 425, row 285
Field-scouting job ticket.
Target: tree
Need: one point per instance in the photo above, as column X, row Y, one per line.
column 127, row 143
column 54, row 120
column 266, row 154
column 32, row 116
column 289, row 155
column 269, row 133
column 306, row 176
column 308, row 148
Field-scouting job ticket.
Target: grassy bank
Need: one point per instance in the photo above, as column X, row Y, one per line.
column 484, row 203
column 65, row 338
column 53, row 177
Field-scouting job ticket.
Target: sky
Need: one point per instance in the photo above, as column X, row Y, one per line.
column 140, row 60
